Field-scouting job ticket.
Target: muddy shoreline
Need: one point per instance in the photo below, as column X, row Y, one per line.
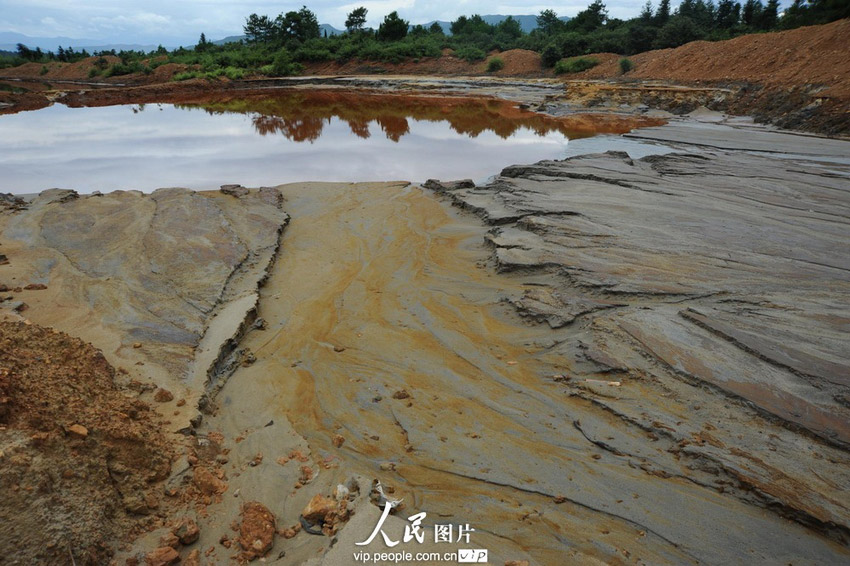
column 564, row 358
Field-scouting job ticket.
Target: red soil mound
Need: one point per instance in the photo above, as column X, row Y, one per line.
column 814, row 55
column 78, row 458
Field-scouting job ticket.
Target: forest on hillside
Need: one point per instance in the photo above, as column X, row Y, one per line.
column 279, row 46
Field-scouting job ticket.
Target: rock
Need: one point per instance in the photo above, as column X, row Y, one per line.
column 162, row 557
column 338, row 440
column 516, row 563
column 388, row 466
column 187, row 531
column 193, row 558
column 318, row 509
column 237, row 191
column 401, row 394
column 448, row 186
column 256, row 533
column 18, row 306
column 163, row 395
column 77, row 431
column 169, row 539
column 207, row 483
column 35, row 287
column 137, row 345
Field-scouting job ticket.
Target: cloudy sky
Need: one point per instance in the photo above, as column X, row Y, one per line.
column 174, row 22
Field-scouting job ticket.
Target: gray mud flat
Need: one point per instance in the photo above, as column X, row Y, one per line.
column 713, row 284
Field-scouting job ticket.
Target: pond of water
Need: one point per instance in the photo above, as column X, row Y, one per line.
column 271, row 138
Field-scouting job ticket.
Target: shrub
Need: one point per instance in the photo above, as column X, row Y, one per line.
column 44, row 70
column 575, row 65
column 186, row 75
column 233, row 73
column 470, row 54
column 495, row 64
column 626, row 65
column 550, row 56
column 93, row 72
column 281, row 66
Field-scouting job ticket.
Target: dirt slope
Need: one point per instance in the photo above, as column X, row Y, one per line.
column 79, row 460
column 814, row 55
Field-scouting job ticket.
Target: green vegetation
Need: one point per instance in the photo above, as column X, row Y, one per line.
column 280, row 46
column 495, row 64
column 575, row 65
column 626, row 65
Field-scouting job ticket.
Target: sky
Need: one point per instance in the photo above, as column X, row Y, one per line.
column 180, row 22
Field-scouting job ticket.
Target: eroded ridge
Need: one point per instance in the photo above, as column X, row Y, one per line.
column 712, row 288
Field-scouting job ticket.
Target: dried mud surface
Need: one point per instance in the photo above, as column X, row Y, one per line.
column 611, row 359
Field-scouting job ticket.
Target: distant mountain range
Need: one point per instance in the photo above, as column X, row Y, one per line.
column 527, row 23
column 9, row 40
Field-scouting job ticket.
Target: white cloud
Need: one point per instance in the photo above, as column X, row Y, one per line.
column 181, row 21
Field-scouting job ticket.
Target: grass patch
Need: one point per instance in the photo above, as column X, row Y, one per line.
column 575, row 65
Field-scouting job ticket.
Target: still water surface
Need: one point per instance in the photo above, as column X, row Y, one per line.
column 268, row 141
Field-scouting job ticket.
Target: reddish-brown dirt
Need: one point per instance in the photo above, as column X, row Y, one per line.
column 518, row 63
column 79, row 460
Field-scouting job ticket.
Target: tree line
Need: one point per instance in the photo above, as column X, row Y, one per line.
column 281, row 45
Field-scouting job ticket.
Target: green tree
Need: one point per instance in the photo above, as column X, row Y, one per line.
column 436, row 29
column 301, row 25
column 393, row 28
column 590, row 19
column 548, row 23
column 728, row 14
column 259, row 29
column 509, row 27
column 678, row 31
column 202, row 43
column 663, row 13
column 646, row 16
column 751, row 13
column 356, row 20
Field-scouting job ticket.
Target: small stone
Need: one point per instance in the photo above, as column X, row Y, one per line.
column 181, row 402
column 237, row 191
column 162, row 557
column 560, row 499
column 163, row 395
column 187, row 531
column 388, row 466
column 77, row 431
column 35, row 287
column 207, row 483
column 318, row 509
column 169, row 539
column 193, row 558
column 137, row 345
column 401, row 394
column 339, row 349
column 516, row 563
column 256, row 533
column 338, row 440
